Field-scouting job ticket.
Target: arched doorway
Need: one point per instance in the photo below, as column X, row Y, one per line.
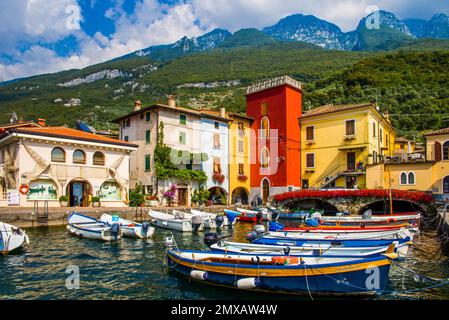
column 446, row 185
column 265, row 190
column 78, row 191
column 218, row 195
column 239, row 195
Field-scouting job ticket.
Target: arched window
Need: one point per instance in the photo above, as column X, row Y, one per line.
column 403, row 178
column 265, row 126
column 57, row 155
column 411, row 178
column 42, row 189
column 446, row 150
column 98, row 159
column 79, row 157
column 110, row 191
column 265, row 158
column 446, row 185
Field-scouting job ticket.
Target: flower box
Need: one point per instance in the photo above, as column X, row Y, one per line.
column 242, row 178
column 218, row 178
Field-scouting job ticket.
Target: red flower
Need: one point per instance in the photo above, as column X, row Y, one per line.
column 218, row 178
column 242, row 177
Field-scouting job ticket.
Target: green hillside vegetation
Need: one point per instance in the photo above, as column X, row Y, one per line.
column 412, row 87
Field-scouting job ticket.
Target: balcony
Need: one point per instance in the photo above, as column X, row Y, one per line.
column 405, row 157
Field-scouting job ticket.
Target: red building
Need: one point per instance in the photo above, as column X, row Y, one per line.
column 275, row 105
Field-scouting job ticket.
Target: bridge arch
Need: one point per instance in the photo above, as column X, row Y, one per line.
column 399, row 206
column 312, row 203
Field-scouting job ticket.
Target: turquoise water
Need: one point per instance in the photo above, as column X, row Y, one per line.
column 133, row 269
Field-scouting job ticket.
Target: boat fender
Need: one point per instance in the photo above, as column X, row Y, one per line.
column 199, row 275
column 259, row 229
column 251, row 236
column 248, row 283
column 145, row 227
column 169, row 242
column 219, row 220
column 256, row 260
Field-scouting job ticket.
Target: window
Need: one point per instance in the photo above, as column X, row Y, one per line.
column 241, row 129
column 264, row 109
column 217, row 143
column 350, row 127
column 217, row 125
column 386, row 139
column 241, row 147
column 403, row 178
column 182, row 119
column 182, row 138
column 241, row 169
column 126, row 138
column 438, row 155
column 265, row 158
column 110, row 191
column 446, row 150
column 310, row 160
column 42, row 189
column 79, row 157
column 217, row 165
column 265, row 125
column 128, row 123
column 374, row 129
column 147, row 163
column 446, row 185
column 148, row 136
column 380, row 135
column 147, row 117
column 310, row 133
column 58, row 155
column 98, row 159
column 411, row 178
column 141, row 116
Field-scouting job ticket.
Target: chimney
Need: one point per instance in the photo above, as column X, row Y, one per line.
column 222, row 112
column 137, row 105
column 172, row 101
column 41, row 122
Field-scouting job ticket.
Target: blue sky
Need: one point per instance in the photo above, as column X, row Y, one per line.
column 41, row 36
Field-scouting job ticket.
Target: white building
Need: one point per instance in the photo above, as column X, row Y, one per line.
column 45, row 163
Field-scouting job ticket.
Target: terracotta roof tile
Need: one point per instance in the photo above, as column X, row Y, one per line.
column 333, row 108
column 438, row 132
column 69, row 133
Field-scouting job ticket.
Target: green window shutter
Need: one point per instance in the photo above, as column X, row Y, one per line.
column 148, row 136
column 182, row 119
column 147, row 163
column 148, row 117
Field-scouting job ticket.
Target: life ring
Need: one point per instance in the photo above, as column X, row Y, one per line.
column 24, row 189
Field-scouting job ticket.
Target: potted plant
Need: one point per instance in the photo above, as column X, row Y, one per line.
column 218, row 178
column 153, row 201
column 63, row 201
column 96, row 201
column 242, row 178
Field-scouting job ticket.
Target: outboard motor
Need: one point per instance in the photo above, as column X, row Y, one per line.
column 196, row 222
column 145, row 227
column 274, row 215
column 210, row 239
column 115, row 230
column 368, row 214
column 316, row 215
column 251, row 236
column 219, row 220
column 275, row 226
column 259, row 229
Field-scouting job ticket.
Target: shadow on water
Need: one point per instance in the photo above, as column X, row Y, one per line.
column 133, row 269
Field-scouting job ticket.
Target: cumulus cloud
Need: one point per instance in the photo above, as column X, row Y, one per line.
column 39, row 22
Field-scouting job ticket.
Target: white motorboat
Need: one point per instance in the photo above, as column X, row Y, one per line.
column 266, row 216
column 11, row 238
column 212, row 220
column 130, row 229
column 87, row 227
column 176, row 222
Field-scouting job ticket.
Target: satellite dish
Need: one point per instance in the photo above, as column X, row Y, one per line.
column 14, row 117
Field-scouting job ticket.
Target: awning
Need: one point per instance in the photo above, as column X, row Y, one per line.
column 346, row 148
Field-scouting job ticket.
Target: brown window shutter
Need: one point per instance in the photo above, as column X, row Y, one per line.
column 437, row 151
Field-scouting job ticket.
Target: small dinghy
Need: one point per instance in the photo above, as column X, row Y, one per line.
column 253, row 215
column 130, row 229
column 87, row 227
column 276, row 226
column 177, row 221
column 11, row 238
column 283, row 273
column 372, row 220
column 211, row 220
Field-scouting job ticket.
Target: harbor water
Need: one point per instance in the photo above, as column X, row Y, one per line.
column 134, row 269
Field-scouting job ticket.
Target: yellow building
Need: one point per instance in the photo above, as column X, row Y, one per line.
column 430, row 174
column 337, row 142
column 239, row 158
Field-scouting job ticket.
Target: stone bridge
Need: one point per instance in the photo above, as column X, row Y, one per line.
column 356, row 201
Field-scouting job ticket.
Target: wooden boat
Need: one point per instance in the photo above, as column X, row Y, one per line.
column 374, row 220
column 211, row 220
column 266, row 216
column 130, row 229
column 348, row 229
column 11, row 238
column 324, row 250
column 91, row 228
column 174, row 222
column 284, row 274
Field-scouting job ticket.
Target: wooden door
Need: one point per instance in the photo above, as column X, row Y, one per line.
column 265, row 191
column 182, row 197
column 351, row 161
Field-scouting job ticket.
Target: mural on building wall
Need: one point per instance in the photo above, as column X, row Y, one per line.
column 42, row 190
column 110, row 191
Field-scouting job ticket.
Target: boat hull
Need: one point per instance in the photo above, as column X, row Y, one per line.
column 130, row 229
column 343, row 279
column 87, row 227
column 167, row 221
column 104, row 235
column 12, row 239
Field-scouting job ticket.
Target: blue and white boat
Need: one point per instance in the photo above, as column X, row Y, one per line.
column 284, row 274
column 87, row 227
column 11, row 238
column 130, row 229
